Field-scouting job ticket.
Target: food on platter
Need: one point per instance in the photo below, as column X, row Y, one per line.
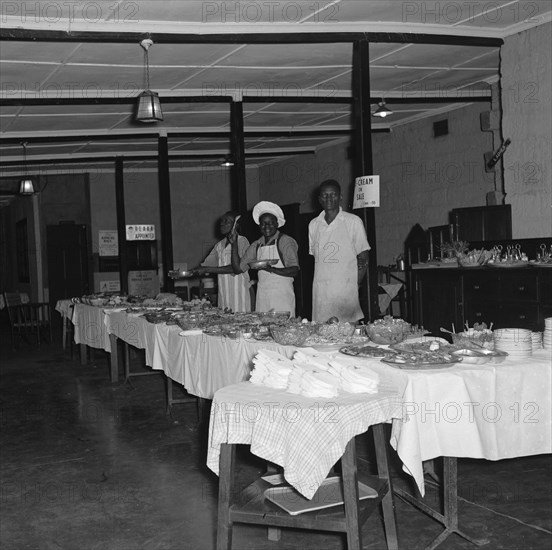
column 368, row 351
column 432, row 352
column 259, row 264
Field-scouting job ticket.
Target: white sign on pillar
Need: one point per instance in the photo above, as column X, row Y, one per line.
column 367, row 192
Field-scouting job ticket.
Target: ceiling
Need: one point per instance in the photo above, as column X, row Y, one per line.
column 71, row 72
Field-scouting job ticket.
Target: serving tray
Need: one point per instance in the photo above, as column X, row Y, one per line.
column 421, row 365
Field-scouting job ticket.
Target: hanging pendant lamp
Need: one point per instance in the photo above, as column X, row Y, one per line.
column 383, row 110
column 26, row 186
column 149, row 105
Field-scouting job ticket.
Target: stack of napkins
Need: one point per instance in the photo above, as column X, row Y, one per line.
column 354, row 377
column 271, row 369
column 309, row 381
column 313, row 358
column 313, row 374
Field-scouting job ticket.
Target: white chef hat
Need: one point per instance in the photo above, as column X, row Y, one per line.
column 265, row 207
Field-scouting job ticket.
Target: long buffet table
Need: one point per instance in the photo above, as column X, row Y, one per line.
column 491, row 411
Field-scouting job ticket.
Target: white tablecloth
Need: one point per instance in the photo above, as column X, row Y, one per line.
column 484, row 411
column 305, row 436
column 90, row 328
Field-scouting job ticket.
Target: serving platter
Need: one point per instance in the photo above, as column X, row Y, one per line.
column 534, row 263
column 367, row 351
column 400, row 364
column 259, row 264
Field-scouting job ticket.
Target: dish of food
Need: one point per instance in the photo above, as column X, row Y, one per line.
column 367, row 351
column 430, row 354
column 540, row 264
column 259, row 264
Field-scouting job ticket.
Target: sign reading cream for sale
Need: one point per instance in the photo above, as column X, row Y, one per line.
column 367, row 192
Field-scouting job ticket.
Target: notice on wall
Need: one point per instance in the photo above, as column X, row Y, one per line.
column 108, row 243
column 367, row 192
column 110, row 286
column 143, row 283
column 140, row 232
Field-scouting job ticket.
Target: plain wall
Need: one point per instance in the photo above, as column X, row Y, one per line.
column 526, row 85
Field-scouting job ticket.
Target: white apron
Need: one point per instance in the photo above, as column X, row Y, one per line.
column 233, row 290
column 274, row 291
column 335, row 284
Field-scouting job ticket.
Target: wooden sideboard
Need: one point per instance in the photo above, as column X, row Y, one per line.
column 507, row 297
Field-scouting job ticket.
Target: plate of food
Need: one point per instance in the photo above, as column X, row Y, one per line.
column 259, row 264
column 372, row 352
column 423, row 355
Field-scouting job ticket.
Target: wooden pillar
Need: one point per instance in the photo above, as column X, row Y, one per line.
column 237, row 146
column 165, row 207
column 363, row 167
column 121, row 223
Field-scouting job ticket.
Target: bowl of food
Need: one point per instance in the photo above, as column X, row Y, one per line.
column 336, row 331
column 482, row 338
column 293, row 335
column 388, row 330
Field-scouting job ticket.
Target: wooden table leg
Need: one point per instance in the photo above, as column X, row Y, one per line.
column 350, row 497
column 449, row 517
column 226, row 486
column 387, row 503
column 114, row 358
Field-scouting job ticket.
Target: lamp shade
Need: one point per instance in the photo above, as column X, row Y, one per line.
column 382, row 111
column 26, row 186
column 149, row 107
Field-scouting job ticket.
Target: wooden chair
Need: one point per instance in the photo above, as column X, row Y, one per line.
column 28, row 320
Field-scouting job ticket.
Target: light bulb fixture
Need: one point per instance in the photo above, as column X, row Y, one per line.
column 26, row 186
column 383, row 110
column 149, row 105
column 227, row 161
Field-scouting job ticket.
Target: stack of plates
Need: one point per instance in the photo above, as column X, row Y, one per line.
column 516, row 342
column 547, row 335
column 536, row 338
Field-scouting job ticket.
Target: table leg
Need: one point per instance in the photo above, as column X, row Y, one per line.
column 387, row 503
column 226, row 485
column 114, row 358
column 350, row 497
column 83, row 356
column 449, row 517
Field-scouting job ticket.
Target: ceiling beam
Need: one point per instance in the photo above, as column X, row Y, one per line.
column 38, row 35
column 150, row 157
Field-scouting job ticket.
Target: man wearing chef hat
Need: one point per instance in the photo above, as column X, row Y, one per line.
column 275, row 256
column 338, row 242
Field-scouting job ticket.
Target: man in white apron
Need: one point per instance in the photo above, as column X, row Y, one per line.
column 233, row 289
column 275, row 286
column 338, row 242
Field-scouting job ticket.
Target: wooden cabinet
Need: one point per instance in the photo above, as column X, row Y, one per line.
column 506, row 297
column 437, row 299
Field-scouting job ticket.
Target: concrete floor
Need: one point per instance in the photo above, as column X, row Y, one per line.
column 90, row 465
